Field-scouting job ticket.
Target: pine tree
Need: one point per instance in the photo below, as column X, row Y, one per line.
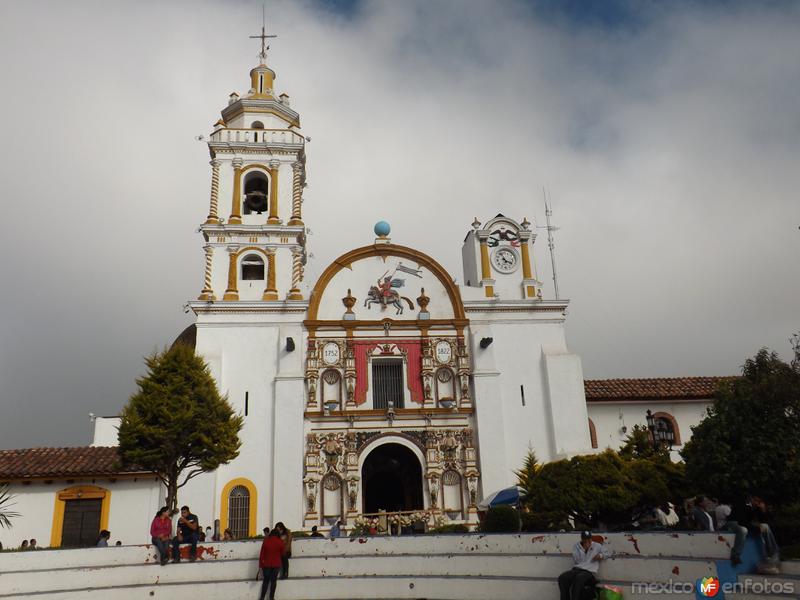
column 527, row 474
column 177, row 425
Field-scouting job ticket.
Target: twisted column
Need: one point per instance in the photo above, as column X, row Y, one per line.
column 297, row 194
column 212, row 213
column 236, row 200
column 232, row 293
column 297, row 274
column 273, row 192
column 271, row 293
column 208, row 293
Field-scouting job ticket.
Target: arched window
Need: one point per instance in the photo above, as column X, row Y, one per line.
column 256, row 193
column 667, row 428
column 256, row 125
column 239, row 511
column 252, row 268
column 592, row 433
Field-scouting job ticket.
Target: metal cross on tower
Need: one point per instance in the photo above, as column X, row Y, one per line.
column 263, row 37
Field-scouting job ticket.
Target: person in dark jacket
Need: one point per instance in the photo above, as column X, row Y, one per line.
column 751, row 515
column 270, row 561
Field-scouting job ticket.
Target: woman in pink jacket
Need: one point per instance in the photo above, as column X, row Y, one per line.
column 161, row 533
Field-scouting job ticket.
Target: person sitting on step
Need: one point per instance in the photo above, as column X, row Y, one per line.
column 586, row 557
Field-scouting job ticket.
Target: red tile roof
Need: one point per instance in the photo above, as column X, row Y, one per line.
column 61, row 462
column 662, row 388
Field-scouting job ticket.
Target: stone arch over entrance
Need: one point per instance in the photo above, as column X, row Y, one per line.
column 392, row 477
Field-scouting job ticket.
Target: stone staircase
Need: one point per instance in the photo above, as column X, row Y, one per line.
column 430, row 567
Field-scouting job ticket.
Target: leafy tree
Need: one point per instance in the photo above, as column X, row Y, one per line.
column 750, row 439
column 639, row 444
column 177, row 425
column 6, row 500
column 590, row 489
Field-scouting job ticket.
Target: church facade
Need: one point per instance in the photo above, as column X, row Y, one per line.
column 381, row 386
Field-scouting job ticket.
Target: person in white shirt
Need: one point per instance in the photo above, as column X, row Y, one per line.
column 722, row 512
column 586, row 556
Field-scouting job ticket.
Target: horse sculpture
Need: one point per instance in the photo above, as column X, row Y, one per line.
column 375, row 296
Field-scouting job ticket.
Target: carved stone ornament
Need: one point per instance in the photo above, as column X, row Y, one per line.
column 433, row 485
column 349, row 301
column 311, row 494
column 352, row 492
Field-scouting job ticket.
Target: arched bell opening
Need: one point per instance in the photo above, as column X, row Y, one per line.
column 256, row 193
column 392, row 480
column 252, row 268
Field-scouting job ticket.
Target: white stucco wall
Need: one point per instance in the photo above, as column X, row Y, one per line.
column 611, row 417
column 133, row 505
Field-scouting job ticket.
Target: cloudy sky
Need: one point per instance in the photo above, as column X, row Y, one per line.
column 667, row 133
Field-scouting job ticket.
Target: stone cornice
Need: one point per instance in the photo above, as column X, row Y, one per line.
column 243, row 306
column 515, row 305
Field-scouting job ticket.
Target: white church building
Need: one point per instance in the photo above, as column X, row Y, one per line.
column 381, row 386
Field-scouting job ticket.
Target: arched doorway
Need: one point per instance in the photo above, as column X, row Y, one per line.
column 392, row 480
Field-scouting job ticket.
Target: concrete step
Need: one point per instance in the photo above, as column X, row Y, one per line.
column 624, row 569
column 341, row 588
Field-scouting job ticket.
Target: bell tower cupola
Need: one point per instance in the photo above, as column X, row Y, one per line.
column 254, row 234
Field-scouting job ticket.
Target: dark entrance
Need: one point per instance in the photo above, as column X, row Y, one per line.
column 392, row 480
column 81, row 523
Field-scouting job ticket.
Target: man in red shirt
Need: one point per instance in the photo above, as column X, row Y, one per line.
column 269, row 561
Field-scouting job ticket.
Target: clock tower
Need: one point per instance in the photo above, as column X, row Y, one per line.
column 497, row 258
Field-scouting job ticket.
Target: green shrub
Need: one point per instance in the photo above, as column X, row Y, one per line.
column 501, row 519
column 545, row 521
column 786, row 526
column 451, row 528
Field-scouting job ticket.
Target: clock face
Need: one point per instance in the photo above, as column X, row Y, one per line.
column 505, row 259
column 443, row 352
column 330, row 353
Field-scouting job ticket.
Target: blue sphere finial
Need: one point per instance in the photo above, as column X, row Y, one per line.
column 382, row 229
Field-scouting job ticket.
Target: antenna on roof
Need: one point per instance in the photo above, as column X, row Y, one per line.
column 548, row 212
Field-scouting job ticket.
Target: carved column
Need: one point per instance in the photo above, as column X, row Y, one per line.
column 526, row 239
column 236, row 200
column 232, row 293
column 208, row 293
column 271, row 293
column 297, row 194
column 273, row 192
column 213, row 218
column 486, row 272
column 297, row 274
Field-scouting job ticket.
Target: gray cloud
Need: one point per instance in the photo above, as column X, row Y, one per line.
column 671, row 150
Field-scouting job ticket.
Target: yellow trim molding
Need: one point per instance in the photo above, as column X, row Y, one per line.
column 78, row 492
column 225, row 498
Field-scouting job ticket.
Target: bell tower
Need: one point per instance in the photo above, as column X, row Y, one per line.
column 255, row 245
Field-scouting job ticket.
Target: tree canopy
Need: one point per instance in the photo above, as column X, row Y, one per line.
column 750, row 440
column 177, row 425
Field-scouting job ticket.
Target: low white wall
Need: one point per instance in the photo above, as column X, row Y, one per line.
column 451, row 566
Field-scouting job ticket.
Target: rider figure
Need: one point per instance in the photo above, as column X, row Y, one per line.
column 385, row 288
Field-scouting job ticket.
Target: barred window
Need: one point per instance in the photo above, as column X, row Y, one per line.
column 387, row 383
column 239, row 512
